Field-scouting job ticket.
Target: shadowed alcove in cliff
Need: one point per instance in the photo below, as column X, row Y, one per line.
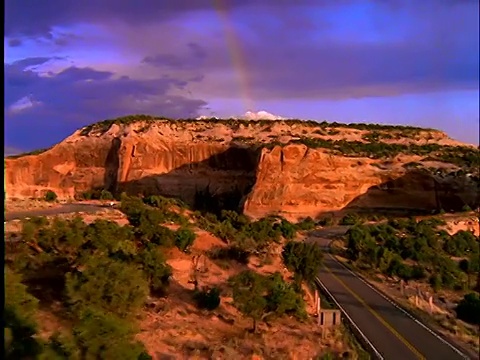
column 112, row 164
column 415, row 193
column 221, row 181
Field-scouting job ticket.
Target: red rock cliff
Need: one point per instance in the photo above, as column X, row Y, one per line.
column 171, row 160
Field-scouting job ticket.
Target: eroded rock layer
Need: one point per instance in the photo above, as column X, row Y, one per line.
column 200, row 161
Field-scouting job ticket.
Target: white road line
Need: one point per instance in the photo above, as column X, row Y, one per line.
column 377, row 353
column 403, row 311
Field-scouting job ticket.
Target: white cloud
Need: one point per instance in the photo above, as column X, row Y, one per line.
column 23, row 104
column 249, row 115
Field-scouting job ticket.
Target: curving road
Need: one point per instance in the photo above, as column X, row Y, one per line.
column 392, row 332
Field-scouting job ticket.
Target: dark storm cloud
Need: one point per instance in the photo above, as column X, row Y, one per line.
column 194, row 58
column 24, row 17
column 361, row 70
column 77, row 96
column 14, row 42
column 28, row 18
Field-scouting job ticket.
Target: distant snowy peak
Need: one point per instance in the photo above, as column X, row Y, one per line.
column 261, row 115
column 249, row 115
column 205, row 117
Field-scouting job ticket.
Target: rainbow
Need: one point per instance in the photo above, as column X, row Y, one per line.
column 236, row 54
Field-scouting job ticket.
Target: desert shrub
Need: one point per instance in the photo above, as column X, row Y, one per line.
column 461, row 243
column 286, row 228
column 133, row 208
column 283, row 299
column 97, row 194
column 19, row 322
column 102, row 335
column 154, row 265
column 184, row 238
column 468, row 309
column 60, row 347
column 326, row 221
column 350, row 219
column 251, row 236
column 157, row 201
column 238, row 221
column 306, row 224
column 148, row 228
column 257, row 296
column 50, row 196
column 106, row 195
column 208, row 299
column 361, row 246
column 435, row 281
column 230, row 253
column 249, row 295
column 418, row 272
column 100, row 268
column 262, row 232
column 470, row 265
column 303, row 259
column 107, row 284
column 163, row 205
column 163, row 236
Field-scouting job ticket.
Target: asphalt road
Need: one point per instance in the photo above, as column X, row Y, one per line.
column 393, row 333
column 62, row 209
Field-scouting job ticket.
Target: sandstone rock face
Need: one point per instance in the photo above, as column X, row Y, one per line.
column 132, row 163
column 293, row 180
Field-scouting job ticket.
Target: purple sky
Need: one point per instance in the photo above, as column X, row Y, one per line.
column 69, row 63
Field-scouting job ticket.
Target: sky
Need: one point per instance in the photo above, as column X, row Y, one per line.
column 70, row 63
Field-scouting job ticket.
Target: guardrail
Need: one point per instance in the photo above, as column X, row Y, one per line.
column 361, row 337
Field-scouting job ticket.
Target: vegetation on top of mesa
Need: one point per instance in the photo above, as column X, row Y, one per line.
column 33, row 152
column 459, row 155
column 104, row 125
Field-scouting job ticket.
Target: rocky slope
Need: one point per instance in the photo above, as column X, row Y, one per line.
column 291, row 167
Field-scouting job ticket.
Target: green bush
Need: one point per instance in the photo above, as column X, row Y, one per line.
column 19, row 322
column 208, row 299
column 350, row 219
column 97, row 194
column 102, row 335
column 468, row 309
column 257, row 296
column 184, row 238
column 106, row 195
column 286, row 228
column 156, row 268
column 326, row 221
column 306, row 224
column 303, row 259
column 50, row 196
column 230, row 253
column 105, row 274
column 282, row 298
column 107, row 284
column 60, row 347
